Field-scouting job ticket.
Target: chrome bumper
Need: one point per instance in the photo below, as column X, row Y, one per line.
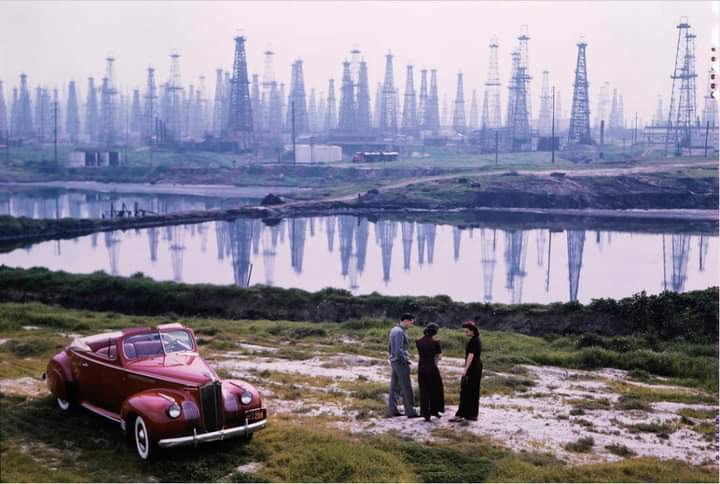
column 217, row 435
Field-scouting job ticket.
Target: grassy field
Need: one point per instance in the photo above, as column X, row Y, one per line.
column 40, row 443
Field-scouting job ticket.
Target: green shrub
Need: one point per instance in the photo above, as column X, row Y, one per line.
column 583, row 444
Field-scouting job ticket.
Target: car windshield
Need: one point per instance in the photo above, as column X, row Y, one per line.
column 161, row 343
column 176, row 341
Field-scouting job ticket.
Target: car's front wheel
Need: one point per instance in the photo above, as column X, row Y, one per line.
column 143, row 444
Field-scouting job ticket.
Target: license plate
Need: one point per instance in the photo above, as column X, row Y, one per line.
column 254, row 415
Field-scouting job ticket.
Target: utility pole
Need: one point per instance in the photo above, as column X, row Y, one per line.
column 602, row 137
column 635, row 130
column 496, row 146
column 292, row 116
column 552, row 135
column 55, row 110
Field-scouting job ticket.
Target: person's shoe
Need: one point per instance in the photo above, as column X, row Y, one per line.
column 457, row 419
column 427, row 419
column 437, row 415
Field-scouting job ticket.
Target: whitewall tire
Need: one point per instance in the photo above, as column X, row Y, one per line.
column 143, row 444
column 63, row 404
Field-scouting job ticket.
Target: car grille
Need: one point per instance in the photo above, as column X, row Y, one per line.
column 212, row 406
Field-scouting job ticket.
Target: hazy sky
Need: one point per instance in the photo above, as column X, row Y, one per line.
column 630, row 44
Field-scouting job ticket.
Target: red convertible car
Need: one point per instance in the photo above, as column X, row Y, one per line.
column 153, row 382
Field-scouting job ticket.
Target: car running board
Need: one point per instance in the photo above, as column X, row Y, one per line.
column 101, row 411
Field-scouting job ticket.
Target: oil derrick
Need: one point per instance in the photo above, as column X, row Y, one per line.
column 515, row 252
column 296, row 234
column 615, row 121
column 72, row 117
column 488, row 260
column 580, row 113
column 313, row 125
column 575, row 245
column 355, row 56
column 268, row 85
column 297, row 96
column 14, row 108
column 362, row 111
column 710, row 108
column 388, row 113
column 24, row 121
column 407, row 229
column 174, row 93
column 545, row 117
column 422, row 99
column 519, row 120
column 202, row 109
column 659, row 117
column 112, row 240
column 322, row 110
column 240, row 241
column 432, row 114
column 559, row 108
column 43, row 115
column 515, row 60
column 459, row 111
column 346, row 226
column 457, row 238
column 150, row 107
column 485, row 119
column 136, row 118
column 378, row 105
column 387, row 230
column 474, row 121
column 703, row 245
column 240, row 115
column 256, row 102
column 218, row 103
column 676, row 252
column 4, row 126
column 540, row 240
column 108, row 106
column 445, row 113
column 621, row 112
column 331, row 108
column 222, row 234
column 346, row 123
column 409, row 115
column 681, row 115
column 603, row 106
column 330, row 232
column 493, row 119
column 153, row 242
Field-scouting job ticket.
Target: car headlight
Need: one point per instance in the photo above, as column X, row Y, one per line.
column 246, row 398
column 173, row 410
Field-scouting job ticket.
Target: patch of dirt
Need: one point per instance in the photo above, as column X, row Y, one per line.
column 25, row 387
column 539, row 420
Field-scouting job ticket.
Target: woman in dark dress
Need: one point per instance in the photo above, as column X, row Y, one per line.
column 470, row 383
column 432, row 394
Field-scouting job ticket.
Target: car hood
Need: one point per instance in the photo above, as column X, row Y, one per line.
column 187, row 368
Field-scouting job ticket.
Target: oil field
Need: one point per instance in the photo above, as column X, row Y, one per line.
column 292, row 190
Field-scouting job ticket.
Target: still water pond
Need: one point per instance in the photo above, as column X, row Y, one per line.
column 395, row 258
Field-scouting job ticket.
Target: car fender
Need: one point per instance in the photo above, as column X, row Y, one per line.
column 59, row 377
column 152, row 406
column 235, row 388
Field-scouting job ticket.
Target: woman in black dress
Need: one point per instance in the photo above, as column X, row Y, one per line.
column 432, row 394
column 470, row 383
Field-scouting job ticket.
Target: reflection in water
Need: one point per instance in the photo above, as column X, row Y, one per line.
column 487, row 246
column 676, row 252
column 515, row 252
column 593, row 270
column 54, row 203
column 575, row 245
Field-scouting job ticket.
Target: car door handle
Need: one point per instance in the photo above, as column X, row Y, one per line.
column 84, row 364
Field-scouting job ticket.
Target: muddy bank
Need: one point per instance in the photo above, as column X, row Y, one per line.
column 554, row 191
